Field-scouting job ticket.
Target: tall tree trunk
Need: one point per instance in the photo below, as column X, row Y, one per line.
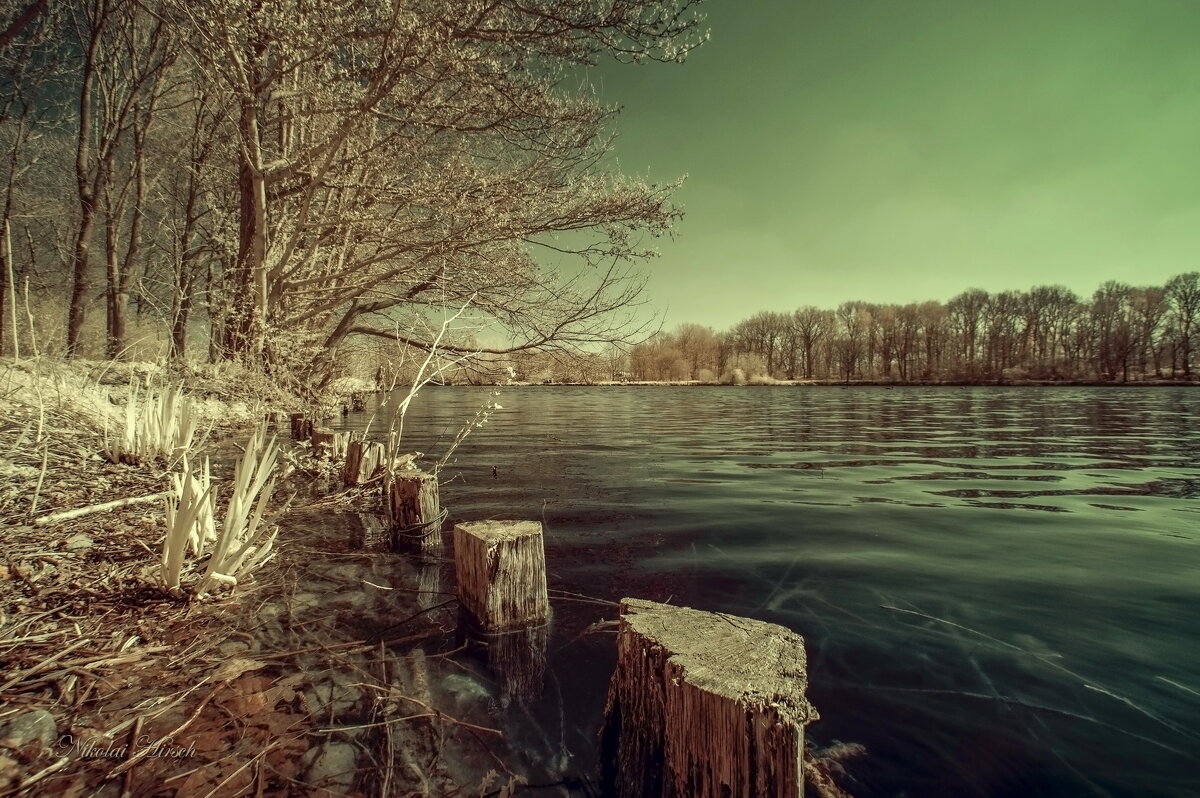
column 112, row 274
column 246, row 332
column 123, row 285
column 81, row 254
column 81, row 278
column 182, row 310
column 6, row 263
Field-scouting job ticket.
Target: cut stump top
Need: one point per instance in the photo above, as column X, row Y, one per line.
column 754, row 663
column 498, row 531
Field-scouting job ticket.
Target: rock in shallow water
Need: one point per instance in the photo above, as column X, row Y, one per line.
column 332, row 766
column 20, row 730
column 335, row 696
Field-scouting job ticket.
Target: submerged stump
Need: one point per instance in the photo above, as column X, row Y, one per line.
column 413, row 509
column 302, row 428
column 501, row 571
column 518, row 660
column 704, row 704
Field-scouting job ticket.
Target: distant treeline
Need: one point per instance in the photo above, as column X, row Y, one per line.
column 1121, row 333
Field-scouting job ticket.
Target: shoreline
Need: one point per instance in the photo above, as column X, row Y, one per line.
column 1193, row 383
column 109, row 676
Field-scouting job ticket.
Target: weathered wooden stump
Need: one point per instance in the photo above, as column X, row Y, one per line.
column 363, row 461
column 302, row 428
column 413, row 509
column 501, row 570
column 704, row 704
column 339, row 445
column 322, row 441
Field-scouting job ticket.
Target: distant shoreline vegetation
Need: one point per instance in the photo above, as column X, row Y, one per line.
column 1044, row 336
column 1152, row 383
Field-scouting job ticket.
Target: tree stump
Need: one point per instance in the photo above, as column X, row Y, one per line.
column 413, row 509
column 363, row 461
column 322, row 439
column 704, row 704
column 302, row 428
column 339, row 445
column 501, row 570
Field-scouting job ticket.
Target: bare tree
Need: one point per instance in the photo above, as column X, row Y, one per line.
column 27, row 73
column 698, row 346
column 1148, row 306
column 966, row 315
column 18, row 18
column 146, row 53
column 812, row 326
column 1183, row 292
column 414, row 155
column 850, row 344
column 122, row 59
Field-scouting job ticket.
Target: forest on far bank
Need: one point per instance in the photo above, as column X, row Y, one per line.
column 1048, row 333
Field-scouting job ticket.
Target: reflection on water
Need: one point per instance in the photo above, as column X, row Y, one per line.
column 998, row 587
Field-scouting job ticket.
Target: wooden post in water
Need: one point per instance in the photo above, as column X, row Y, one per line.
column 704, row 704
column 363, row 461
column 302, row 428
column 322, row 441
column 501, row 570
column 414, row 510
column 339, row 445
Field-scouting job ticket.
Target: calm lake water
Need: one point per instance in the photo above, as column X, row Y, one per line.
column 999, row 587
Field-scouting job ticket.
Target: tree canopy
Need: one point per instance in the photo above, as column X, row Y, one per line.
column 315, row 171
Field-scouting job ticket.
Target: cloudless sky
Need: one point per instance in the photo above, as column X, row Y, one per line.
column 903, row 150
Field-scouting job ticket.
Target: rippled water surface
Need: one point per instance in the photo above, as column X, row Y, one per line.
column 999, row 587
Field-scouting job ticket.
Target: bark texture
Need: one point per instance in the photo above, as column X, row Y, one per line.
column 704, row 704
column 414, row 510
column 501, row 570
column 364, row 459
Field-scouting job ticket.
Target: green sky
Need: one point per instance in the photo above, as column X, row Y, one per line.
column 901, row 150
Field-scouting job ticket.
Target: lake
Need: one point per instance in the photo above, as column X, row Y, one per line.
column 999, row 587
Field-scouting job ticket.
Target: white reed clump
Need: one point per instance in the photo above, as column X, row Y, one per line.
column 189, row 521
column 157, row 424
column 245, row 543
